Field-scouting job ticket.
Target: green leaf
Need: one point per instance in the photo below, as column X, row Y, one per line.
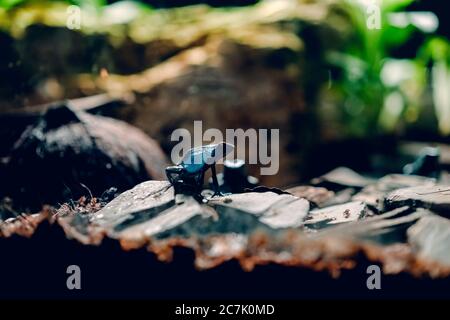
column 394, row 5
column 7, row 4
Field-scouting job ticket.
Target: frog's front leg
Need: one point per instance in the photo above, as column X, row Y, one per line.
column 173, row 173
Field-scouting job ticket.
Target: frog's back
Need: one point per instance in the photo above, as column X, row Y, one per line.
column 202, row 157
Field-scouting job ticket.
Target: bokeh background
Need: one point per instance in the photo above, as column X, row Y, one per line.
column 341, row 94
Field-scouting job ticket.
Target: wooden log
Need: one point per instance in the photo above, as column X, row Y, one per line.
column 374, row 194
column 329, row 216
column 430, row 238
column 435, row 198
column 342, row 177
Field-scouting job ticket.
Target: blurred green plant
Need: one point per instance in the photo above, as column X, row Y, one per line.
column 9, row 4
column 376, row 92
column 436, row 52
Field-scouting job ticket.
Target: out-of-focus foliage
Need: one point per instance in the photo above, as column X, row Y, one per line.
column 142, row 23
column 375, row 91
column 9, row 4
column 436, row 51
column 371, row 88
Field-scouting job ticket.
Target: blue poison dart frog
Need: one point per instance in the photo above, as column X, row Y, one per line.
column 187, row 176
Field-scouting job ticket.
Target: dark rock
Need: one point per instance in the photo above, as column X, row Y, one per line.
column 427, row 164
column 70, row 153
